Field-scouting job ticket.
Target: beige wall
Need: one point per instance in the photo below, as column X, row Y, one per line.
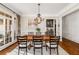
column 25, row 28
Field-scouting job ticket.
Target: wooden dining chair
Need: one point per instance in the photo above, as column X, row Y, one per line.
column 30, row 38
column 46, row 39
column 30, row 33
column 22, row 43
column 38, row 43
column 38, row 33
column 53, row 43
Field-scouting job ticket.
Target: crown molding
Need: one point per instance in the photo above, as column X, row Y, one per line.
column 69, row 9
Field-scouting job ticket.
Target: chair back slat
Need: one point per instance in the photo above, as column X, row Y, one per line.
column 21, row 39
column 54, row 40
column 37, row 40
column 38, row 43
column 22, row 43
column 30, row 33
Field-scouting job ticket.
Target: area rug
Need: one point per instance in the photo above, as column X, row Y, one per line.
column 37, row 52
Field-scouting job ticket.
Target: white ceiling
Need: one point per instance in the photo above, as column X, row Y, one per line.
column 32, row 8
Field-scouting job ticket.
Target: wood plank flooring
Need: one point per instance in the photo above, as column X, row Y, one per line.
column 69, row 46
column 8, row 49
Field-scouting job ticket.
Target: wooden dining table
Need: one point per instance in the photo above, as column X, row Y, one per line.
column 45, row 37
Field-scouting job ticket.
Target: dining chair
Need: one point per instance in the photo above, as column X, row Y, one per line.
column 22, row 43
column 30, row 38
column 46, row 40
column 38, row 33
column 38, row 43
column 53, row 43
column 30, row 33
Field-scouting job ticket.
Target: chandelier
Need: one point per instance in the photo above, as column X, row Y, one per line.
column 38, row 19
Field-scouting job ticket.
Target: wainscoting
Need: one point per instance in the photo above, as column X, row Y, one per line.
column 71, row 47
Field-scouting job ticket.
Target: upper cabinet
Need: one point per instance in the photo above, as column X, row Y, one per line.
column 5, row 30
column 8, row 31
column 8, row 27
column 51, row 27
column 49, row 23
column 2, row 34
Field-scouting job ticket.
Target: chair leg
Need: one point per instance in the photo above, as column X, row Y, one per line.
column 34, row 51
column 26, row 51
column 46, row 47
column 50, row 51
column 41, row 51
column 57, row 52
column 29, row 46
column 18, row 51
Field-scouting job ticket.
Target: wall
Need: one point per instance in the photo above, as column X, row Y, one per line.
column 70, row 26
column 25, row 28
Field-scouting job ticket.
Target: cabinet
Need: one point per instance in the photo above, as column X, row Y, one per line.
column 7, row 29
column 51, row 27
column 49, row 22
column 2, row 31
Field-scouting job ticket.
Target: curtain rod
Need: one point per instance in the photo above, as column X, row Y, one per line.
column 8, row 8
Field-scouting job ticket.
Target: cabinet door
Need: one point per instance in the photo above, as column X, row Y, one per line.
column 1, row 31
column 51, row 26
column 49, row 23
column 8, row 31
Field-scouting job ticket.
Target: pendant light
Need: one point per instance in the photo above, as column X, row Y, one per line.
column 38, row 19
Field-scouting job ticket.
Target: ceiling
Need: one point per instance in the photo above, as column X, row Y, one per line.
column 32, row 8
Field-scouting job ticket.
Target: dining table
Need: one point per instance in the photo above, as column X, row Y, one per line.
column 45, row 39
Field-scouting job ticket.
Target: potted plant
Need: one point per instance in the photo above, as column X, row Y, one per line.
column 38, row 29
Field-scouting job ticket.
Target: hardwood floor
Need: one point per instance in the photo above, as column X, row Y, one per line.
column 8, row 49
column 71, row 47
